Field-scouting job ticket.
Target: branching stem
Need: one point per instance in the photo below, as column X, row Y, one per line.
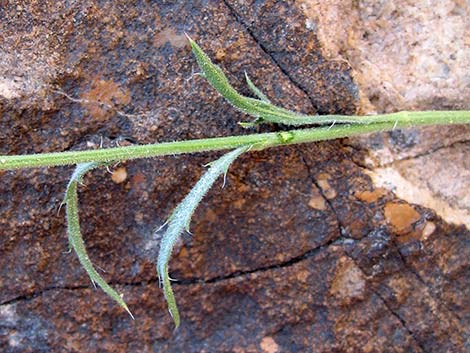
column 376, row 123
column 332, row 127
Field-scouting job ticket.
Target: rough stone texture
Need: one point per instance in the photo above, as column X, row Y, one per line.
column 302, row 251
column 405, row 54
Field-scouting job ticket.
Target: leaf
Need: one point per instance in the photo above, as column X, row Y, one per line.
column 181, row 218
column 256, row 90
column 75, row 235
column 259, row 108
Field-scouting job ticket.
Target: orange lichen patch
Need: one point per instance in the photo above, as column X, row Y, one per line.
column 328, row 191
column 349, row 283
column 401, row 217
column 220, row 54
column 103, row 95
column 183, row 252
column 119, row 175
column 425, row 181
column 371, row 196
column 317, row 201
column 138, row 178
column 269, row 345
column 169, row 35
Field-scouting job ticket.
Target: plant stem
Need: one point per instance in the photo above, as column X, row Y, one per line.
column 409, row 118
column 376, row 123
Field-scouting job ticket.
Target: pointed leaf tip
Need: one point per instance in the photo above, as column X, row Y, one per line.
column 187, row 36
column 75, row 236
column 180, row 219
column 261, row 107
column 256, row 91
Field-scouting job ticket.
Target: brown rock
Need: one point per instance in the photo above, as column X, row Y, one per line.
column 306, row 249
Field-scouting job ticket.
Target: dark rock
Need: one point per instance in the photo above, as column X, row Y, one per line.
column 295, row 254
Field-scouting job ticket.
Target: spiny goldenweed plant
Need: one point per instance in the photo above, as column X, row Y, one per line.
column 325, row 127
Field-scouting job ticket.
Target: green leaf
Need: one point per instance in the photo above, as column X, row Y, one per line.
column 181, row 218
column 259, row 108
column 75, row 235
column 257, row 92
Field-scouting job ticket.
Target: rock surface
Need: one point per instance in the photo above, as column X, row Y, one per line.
column 306, row 249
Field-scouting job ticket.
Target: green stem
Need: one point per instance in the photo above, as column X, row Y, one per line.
column 376, row 123
column 410, row 118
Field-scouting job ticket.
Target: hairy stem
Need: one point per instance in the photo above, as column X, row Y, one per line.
column 264, row 111
column 75, row 235
column 377, row 123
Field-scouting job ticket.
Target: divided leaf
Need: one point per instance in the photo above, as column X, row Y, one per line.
column 75, row 235
column 261, row 108
column 181, row 218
